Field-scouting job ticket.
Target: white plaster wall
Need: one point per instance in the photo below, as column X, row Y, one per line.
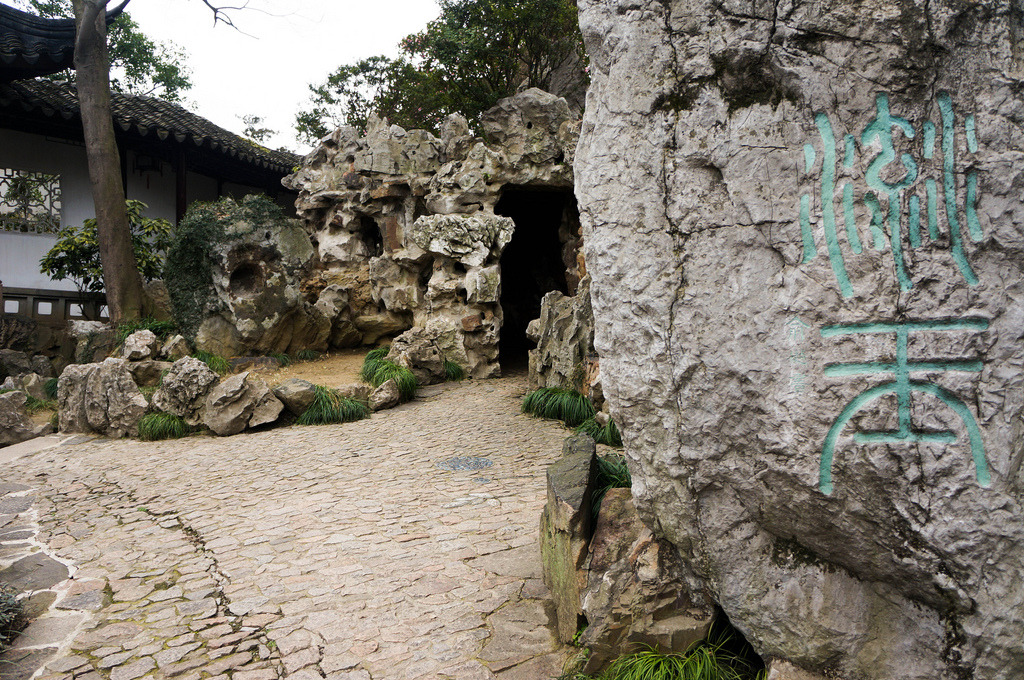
column 154, row 188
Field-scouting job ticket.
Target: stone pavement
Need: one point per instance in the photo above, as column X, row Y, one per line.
column 342, row 552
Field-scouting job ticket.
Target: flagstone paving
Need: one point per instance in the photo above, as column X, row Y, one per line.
column 341, row 552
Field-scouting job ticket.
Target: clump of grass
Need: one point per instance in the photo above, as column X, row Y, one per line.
column 306, row 355
column 388, row 370
column 11, row 619
column 156, row 426
column 558, row 403
column 34, row 405
column 282, row 358
column 50, row 387
column 217, row 363
column 453, row 372
column 608, row 435
column 330, row 407
column 162, row 329
column 612, row 473
column 708, row 661
column 148, row 392
column 372, row 362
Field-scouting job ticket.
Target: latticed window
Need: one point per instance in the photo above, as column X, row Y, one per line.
column 29, row 201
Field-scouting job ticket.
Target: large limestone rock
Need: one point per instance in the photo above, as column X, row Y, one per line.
column 240, row 402
column 565, row 528
column 101, row 398
column 15, row 424
column 14, row 363
column 804, row 226
column 564, row 334
column 184, row 388
column 254, row 303
column 94, row 340
column 471, row 240
column 636, row 594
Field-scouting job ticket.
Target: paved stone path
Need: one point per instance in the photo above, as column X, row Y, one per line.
column 340, row 552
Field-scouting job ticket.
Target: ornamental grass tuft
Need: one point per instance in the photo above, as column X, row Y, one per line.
column 162, row 329
column 558, row 403
column 330, row 407
column 157, row 426
column 217, row 363
column 453, row 372
column 306, row 355
column 708, row 661
column 372, row 362
column 607, row 435
column 389, row 370
column 50, row 387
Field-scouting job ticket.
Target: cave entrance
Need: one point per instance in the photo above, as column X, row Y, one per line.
column 534, row 261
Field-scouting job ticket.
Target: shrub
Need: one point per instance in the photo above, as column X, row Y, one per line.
column 608, row 435
column 50, row 387
column 372, row 362
column 453, row 372
column 217, row 363
column 558, row 403
column 11, row 619
column 330, row 407
column 156, row 426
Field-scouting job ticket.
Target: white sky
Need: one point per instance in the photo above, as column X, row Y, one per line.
column 286, row 45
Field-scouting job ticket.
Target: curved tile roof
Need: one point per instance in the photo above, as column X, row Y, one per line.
column 145, row 117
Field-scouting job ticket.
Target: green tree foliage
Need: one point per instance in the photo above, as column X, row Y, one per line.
column 139, row 64
column 475, row 53
column 254, row 131
column 76, row 254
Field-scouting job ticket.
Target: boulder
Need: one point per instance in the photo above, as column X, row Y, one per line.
column 472, row 240
column 636, row 595
column 816, row 367
column 577, row 444
column 42, row 366
column 386, row 396
column 526, row 127
column 148, row 372
column 184, row 388
column 140, row 345
column 175, row 348
column 94, row 340
column 239, row 402
column 564, row 334
column 14, row 363
column 100, row 397
column 784, row 670
column 34, row 385
column 296, row 395
column 565, row 528
column 15, row 424
column 420, row 354
column 357, row 391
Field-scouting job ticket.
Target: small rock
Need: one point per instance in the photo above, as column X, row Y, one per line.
column 175, row 348
column 386, row 396
column 140, row 345
column 296, row 394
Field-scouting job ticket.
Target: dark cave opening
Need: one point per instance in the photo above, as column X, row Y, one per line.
column 531, row 265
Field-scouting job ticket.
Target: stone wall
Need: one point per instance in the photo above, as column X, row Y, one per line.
column 405, row 223
column 804, row 222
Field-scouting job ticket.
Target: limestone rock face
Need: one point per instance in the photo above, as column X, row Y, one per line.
column 804, row 227
column 409, row 230
column 101, row 398
column 240, row 402
column 15, row 425
column 635, row 592
column 93, row 340
column 184, row 389
column 565, row 527
column 140, row 345
column 256, row 304
column 564, row 334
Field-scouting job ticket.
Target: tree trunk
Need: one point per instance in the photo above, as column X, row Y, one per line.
column 92, row 62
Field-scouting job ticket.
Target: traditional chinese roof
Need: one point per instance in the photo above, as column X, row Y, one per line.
column 32, row 46
column 47, row 107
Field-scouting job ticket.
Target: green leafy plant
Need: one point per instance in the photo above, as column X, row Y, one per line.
column 162, row 329
column 76, row 254
column 608, row 434
column 217, row 363
column 282, row 358
column 388, row 370
column 372, row 362
column 50, row 387
column 11, row 620
column 453, row 372
column 156, row 426
column 709, row 660
column 307, row 355
column 558, row 403
column 330, row 407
